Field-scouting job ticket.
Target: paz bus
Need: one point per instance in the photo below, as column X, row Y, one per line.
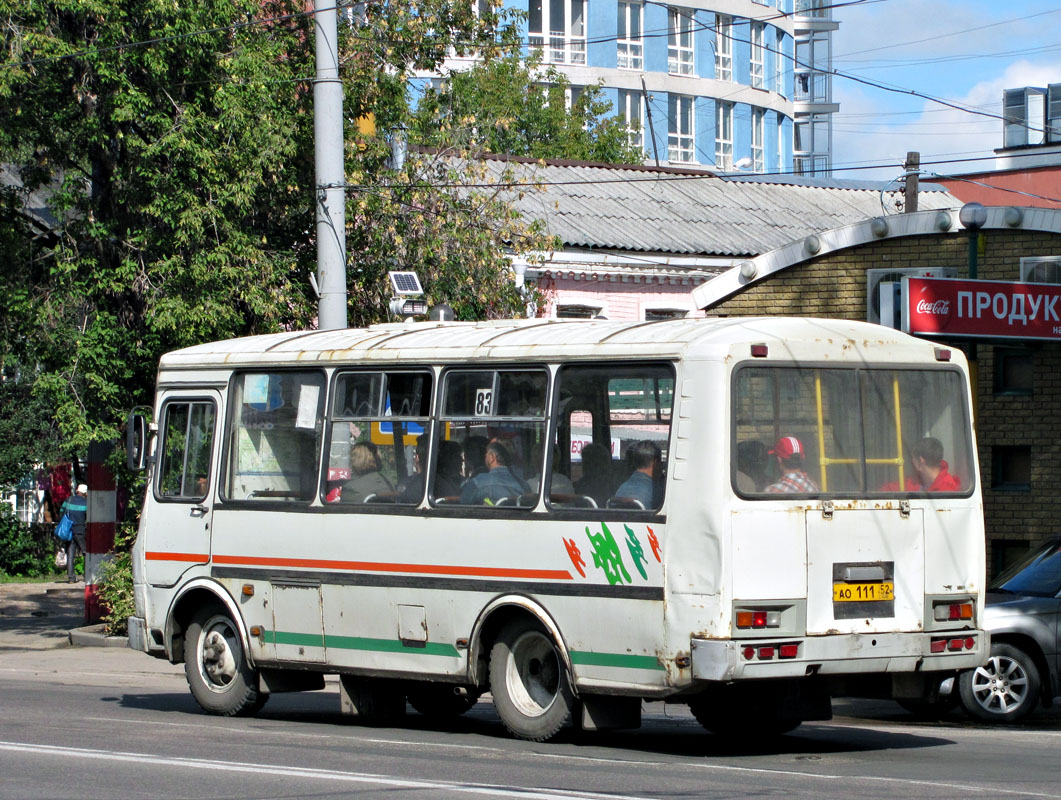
column 576, row 516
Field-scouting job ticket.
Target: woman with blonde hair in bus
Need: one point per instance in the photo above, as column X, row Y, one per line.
column 367, row 478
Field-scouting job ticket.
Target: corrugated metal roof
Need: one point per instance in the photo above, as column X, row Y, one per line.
column 675, row 211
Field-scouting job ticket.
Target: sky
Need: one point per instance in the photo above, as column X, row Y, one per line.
column 963, row 51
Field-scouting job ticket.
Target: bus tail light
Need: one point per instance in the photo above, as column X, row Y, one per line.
column 953, row 612
column 788, row 651
column 760, row 351
column 768, row 652
column 943, row 644
column 749, row 618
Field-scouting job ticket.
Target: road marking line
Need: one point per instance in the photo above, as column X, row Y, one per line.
column 317, row 774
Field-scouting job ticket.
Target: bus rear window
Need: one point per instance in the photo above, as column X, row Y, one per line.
column 833, row 431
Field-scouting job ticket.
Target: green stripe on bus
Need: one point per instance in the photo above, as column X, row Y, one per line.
column 392, row 646
column 623, row 660
column 360, row 643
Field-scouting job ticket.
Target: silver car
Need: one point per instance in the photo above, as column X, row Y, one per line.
column 1022, row 617
column 1022, row 670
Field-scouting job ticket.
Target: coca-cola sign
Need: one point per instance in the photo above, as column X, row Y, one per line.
column 981, row 309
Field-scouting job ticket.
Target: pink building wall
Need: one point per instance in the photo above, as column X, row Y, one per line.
column 624, row 298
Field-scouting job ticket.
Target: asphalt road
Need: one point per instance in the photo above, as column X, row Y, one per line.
column 99, row 722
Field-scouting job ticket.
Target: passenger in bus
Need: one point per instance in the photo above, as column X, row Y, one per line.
column 412, row 489
column 497, row 482
column 597, row 479
column 752, row 461
column 448, row 479
column 789, row 453
column 367, row 479
column 643, row 484
column 931, row 472
column 559, row 483
column 474, row 456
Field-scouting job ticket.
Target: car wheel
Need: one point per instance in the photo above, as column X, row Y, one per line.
column 216, row 667
column 529, row 683
column 1005, row 689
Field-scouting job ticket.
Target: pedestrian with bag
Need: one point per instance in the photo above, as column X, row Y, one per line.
column 76, row 508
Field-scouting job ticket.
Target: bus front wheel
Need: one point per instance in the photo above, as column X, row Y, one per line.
column 529, row 683
column 216, row 667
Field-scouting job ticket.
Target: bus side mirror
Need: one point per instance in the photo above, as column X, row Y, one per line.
column 136, row 440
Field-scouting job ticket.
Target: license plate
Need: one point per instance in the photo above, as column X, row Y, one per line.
column 863, row 592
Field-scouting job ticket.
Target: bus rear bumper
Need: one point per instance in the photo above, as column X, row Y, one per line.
column 837, row 654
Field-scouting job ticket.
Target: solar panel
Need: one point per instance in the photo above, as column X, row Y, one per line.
column 405, row 283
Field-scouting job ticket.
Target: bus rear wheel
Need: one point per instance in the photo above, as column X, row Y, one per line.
column 529, row 683
column 215, row 664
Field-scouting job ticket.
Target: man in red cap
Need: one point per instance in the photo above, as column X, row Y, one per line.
column 789, row 454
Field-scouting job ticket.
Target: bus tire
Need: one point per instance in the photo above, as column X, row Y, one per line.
column 529, row 682
column 743, row 713
column 441, row 700
column 215, row 664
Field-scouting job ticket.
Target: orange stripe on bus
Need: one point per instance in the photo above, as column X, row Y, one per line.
column 371, row 566
column 193, row 557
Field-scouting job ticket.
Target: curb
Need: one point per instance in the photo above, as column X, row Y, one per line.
column 93, row 636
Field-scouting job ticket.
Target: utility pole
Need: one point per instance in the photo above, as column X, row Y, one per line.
column 913, row 171
column 330, row 188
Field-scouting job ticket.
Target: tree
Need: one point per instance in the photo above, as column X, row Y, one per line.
column 506, row 104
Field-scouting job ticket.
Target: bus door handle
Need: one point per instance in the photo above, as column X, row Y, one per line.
column 199, row 511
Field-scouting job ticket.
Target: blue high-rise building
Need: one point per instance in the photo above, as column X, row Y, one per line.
column 714, row 84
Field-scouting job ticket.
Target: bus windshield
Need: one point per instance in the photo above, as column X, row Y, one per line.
column 851, row 432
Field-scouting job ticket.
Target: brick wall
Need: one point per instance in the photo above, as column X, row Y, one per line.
column 835, row 286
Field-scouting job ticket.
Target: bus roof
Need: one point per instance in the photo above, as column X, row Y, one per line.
column 446, row 342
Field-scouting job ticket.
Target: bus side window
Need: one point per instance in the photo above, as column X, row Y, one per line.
column 497, row 419
column 378, row 438
column 616, row 419
column 275, row 438
column 187, row 442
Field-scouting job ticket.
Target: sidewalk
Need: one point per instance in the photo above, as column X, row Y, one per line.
column 46, row 616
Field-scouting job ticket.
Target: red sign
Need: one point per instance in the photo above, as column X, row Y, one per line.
column 981, row 309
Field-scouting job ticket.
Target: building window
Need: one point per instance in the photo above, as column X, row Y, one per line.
column 1007, row 552
column 723, row 47
column 757, row 55
column 631, row 47
column 758, row 161
column 656, row 314
column 1014, row 371
column 1011, row 468
column 679, row 41
column 576, row 311
column 724, row 136
column 813, row 68
column 630, row 112
column 680, row 128
column 811, row 134
column 779, row 63
column 563, row 23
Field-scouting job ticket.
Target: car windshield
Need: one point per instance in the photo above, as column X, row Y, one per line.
column 1038, row 575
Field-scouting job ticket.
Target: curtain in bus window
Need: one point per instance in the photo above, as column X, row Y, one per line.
column 378, row 441
column 187, row 438
column 495, row 421
column 612, row 436
column 275, row 436
column 916, row 431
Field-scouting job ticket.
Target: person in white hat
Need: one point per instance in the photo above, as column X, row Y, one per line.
column 789, row 452
column 76, row 507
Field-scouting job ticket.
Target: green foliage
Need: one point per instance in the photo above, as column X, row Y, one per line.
column 503, row 105
column 27, row 432
column 26, row 551
column 115, row 582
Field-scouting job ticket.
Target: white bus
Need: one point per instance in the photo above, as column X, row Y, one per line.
column 746, row 515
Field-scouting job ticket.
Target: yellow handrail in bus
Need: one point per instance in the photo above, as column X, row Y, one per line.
column 824, row 461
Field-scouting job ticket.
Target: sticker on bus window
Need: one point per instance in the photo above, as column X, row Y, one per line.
column 256, row 390
column 483, row 398
column 308, row 398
